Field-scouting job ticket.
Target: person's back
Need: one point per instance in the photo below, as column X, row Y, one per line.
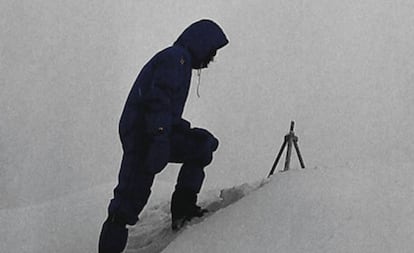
column 153, row 133
column 144, row 96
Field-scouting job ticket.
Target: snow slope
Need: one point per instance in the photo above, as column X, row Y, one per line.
column 72, row 224
column 353, row 209
column 68, row 224
column 153, row 233
column 358, row 208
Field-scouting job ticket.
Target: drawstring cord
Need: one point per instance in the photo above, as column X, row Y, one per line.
column 199, row 81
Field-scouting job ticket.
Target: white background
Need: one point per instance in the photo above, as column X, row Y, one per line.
column 342, row 70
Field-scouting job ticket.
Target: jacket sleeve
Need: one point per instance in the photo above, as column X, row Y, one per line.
column 163, row 85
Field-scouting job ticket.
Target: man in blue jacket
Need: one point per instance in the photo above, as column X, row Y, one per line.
column 153, row 133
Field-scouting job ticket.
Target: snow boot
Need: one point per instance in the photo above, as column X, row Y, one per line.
column 184, row 208
column 113, row 236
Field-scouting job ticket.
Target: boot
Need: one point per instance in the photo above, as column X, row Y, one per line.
column 113, row 236
column 184, row 208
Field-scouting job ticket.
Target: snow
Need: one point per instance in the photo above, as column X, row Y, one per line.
column 314, row 210
column 344, row 209
column 67, row 224
column 153, row 233
column 343, row 70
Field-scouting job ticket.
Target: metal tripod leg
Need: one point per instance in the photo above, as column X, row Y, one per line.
column 277, row 158
column 289, row 153
column 295, row 142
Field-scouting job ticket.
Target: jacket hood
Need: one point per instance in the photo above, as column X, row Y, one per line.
column 202, row 39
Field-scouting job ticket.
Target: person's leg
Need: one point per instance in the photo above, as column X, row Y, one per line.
column 130, row 196
column 113, row 237
column 144, row 156
column 194, row 148
column 133, row 189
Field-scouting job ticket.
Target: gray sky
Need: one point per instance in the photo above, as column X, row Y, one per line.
column 342, row 70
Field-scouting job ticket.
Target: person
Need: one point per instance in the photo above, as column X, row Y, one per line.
column 153, row 133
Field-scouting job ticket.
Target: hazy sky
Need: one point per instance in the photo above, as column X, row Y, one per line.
column 342, row 70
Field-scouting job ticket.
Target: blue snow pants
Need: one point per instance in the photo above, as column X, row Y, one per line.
column 145, row 156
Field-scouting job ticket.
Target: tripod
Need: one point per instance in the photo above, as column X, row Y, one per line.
column 290, row 139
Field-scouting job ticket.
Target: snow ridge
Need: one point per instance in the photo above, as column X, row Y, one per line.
column 358, row 208
column 153, row 232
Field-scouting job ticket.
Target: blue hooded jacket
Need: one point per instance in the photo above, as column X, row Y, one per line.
column 157, row 98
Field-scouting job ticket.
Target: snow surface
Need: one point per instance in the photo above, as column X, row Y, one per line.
column 153, row 233
column 344, row 209
column 350, row 209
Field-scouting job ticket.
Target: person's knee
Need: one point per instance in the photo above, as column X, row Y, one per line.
column 209, row 143
column 213, row 143
column 206, row 159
